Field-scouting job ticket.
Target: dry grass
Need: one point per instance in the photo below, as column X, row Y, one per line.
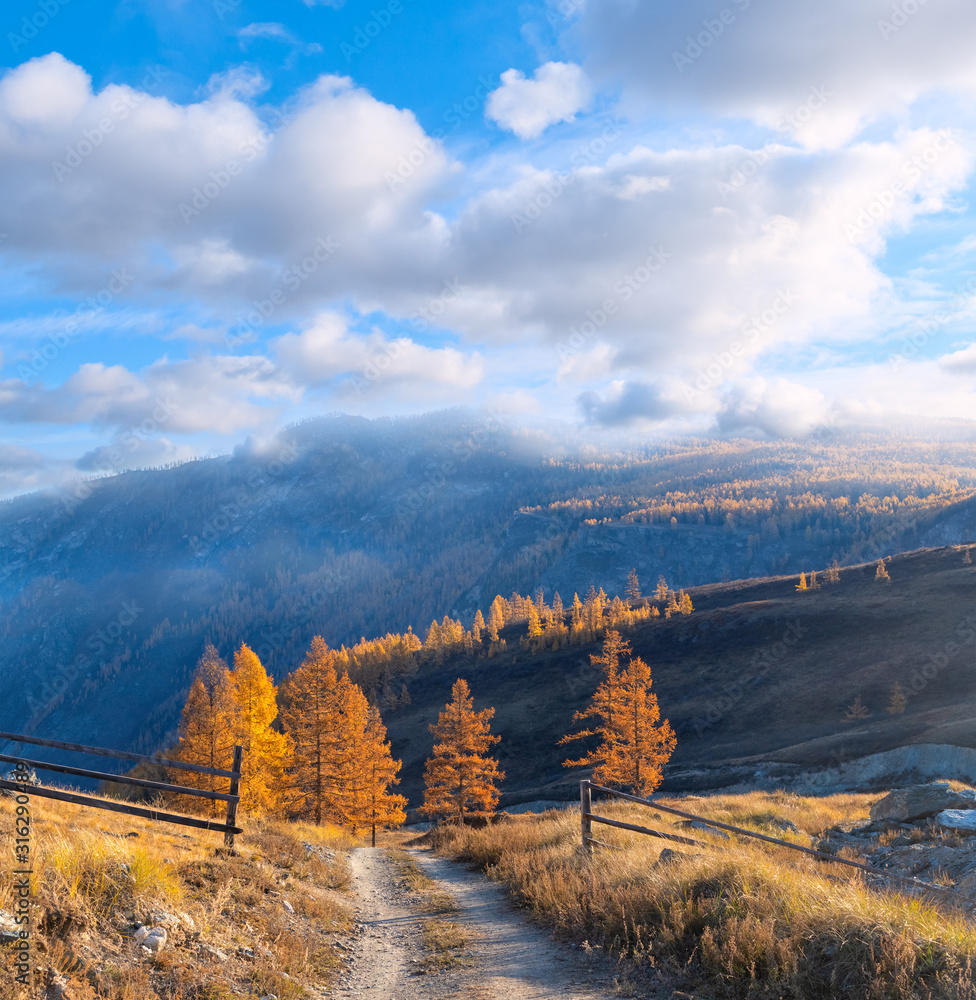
column 431, row 899
column 444, row 939
column 734, row 919
column 98, row 873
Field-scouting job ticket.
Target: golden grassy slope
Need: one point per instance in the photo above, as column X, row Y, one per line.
column 736, row 919
column 96, row 873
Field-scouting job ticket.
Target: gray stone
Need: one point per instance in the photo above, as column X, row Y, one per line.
column 288, row 906
column 958, row 819
column 153, row 938
column 214, row 954
column 918, row 802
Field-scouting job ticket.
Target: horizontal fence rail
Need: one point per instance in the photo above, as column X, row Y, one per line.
column 118, row 754
column 80, row 772
column 588, row 817
column 229, row 828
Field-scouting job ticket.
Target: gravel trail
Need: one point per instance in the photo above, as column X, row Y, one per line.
column 510, row 959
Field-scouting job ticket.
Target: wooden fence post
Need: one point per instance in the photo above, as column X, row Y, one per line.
column 585, row 811
column 234, row 790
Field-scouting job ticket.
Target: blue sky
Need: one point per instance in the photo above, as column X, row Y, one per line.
column 639, row 217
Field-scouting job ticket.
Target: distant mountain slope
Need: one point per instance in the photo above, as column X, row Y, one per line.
column 757, row 672
column 349, row 527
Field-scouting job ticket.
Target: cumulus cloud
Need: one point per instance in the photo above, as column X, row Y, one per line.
column 761, row 61
column 961, row 362
column 628, row 403
column 777, row 408
column 118, row 175
column 221, row 394
column 327, row 350
column 556, row 93
column 131, row 451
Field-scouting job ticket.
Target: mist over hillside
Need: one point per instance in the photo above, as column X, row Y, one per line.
column 347, row 527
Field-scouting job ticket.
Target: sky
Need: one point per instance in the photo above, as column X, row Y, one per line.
column 715, row 217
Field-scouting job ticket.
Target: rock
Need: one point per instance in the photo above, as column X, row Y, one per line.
column 667, row 856
column 786, row 825
column 963, row 820
column 288, row 906
column 155, row 940
column 214, row 954
column 9, row 937
column 825, row 847
column 919, row 802
column 246, row 953
column 705, row 828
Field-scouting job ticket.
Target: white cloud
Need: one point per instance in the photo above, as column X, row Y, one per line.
column 218, row 394
column 327, row 350
column 777, row 408
column 556, row 93
column 961, row 362
column 762, row 61
column 47, row 93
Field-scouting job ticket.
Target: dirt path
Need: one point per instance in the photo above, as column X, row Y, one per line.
column 510, row 958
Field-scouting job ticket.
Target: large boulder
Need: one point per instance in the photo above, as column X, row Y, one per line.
column 957, row 819
column 906, row 805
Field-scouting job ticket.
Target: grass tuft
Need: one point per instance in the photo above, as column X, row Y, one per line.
column 742, row 919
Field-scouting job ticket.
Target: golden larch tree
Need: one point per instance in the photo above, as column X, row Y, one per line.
column 605, row 708
column 460, row 776
column 206, row 733
column 378, row 771
column 645, row 743
column 325, row 715
column 311, row 717
column 266, row 751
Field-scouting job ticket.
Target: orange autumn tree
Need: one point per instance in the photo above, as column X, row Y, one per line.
column 460, row 776
column 646, row 743
column 341, row 767
column 206, row 735
column 378, row 770
column 605, row 708
column 634, row 745
column 266, row 751
column 312, row 716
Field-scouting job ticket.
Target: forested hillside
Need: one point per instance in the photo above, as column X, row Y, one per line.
column 348, row 528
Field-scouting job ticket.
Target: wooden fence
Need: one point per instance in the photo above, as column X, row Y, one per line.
column 588, row 818
column 232, row 797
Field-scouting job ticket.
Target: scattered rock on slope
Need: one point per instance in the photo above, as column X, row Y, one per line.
column 958, row 819
column 906, row 805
